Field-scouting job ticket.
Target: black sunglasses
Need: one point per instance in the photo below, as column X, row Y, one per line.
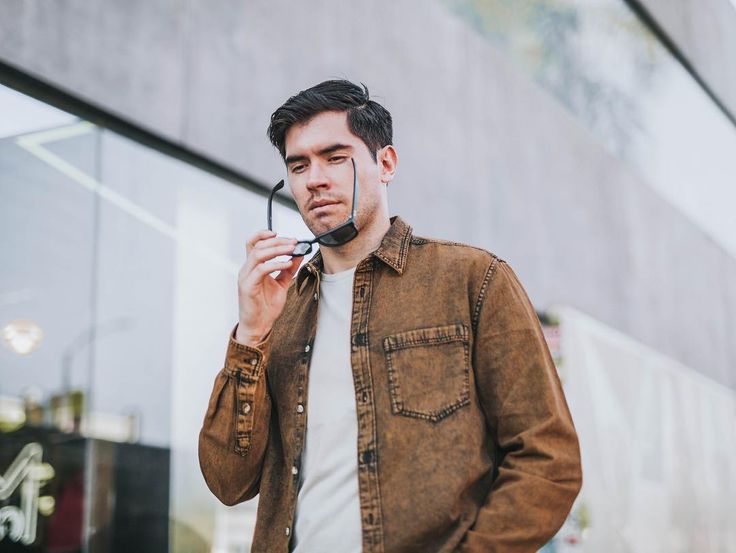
column 341, row 234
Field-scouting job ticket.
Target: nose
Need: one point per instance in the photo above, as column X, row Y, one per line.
column 317, row 178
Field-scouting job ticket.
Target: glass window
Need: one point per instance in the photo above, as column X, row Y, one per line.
column 117, row 295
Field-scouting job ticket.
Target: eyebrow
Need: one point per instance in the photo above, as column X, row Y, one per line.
column 323, row 152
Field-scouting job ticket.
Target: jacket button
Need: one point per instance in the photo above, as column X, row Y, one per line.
column 287, row 531
column 300, row 408
column 246, row 408
column 315, row 296
column 306, row 348
column 294, row 471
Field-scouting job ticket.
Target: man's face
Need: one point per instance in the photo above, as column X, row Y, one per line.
column 320, row 174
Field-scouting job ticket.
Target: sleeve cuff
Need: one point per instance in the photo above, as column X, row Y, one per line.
column 246, row 361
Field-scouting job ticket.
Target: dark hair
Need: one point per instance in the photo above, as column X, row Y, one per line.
column 368, row 120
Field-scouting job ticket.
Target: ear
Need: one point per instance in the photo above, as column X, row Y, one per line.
column 387, row 159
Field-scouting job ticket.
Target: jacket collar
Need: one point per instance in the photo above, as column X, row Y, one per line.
column 392, row 251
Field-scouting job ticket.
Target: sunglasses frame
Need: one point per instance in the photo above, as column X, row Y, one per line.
column 331, row 237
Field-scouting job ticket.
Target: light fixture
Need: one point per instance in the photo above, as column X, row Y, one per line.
column 22, row 336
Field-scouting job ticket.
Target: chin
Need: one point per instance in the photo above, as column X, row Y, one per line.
column 320, row 224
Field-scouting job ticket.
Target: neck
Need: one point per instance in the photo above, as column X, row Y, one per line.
column 342, row 258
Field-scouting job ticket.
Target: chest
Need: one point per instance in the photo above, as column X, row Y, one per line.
column 400, row 344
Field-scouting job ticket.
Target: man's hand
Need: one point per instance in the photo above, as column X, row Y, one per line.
column 261, row 297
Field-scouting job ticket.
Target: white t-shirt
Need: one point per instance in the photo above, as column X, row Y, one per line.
column 328, row 505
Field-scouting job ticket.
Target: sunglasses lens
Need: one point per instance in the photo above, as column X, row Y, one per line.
column 339, row 236
column 301, row 249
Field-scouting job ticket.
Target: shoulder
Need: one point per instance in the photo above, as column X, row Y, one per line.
column 455, row 252
column 474, row 265
column 471, row 269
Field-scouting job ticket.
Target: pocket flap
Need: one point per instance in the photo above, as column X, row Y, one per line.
column 424, row 336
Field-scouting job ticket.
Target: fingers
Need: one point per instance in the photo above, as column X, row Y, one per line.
column 258, row 236
column 270, row 242
column 262, row 248
column 261, row 255
column 265, row 239
column 262, row 269
column 287, row 274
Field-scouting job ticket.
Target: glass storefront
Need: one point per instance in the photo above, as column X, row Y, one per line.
column 117, row 293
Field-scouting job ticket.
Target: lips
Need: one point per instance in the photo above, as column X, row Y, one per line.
column 321, row 203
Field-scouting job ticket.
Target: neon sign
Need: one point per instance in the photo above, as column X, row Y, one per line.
column 30, row 473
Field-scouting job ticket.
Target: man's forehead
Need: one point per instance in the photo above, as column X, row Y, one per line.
column 320, row 132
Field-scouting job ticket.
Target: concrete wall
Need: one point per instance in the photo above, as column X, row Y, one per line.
column 486, row 156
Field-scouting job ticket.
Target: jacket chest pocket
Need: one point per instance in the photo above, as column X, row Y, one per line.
column 428, row 371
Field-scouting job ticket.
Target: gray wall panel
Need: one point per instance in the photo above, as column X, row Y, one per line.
column 126, row 57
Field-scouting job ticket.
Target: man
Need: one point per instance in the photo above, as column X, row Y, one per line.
column 398, row 394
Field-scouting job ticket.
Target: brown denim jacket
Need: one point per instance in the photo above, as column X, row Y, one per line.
column 465, row 441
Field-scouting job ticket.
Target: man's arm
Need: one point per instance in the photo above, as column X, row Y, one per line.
column 539, row 474
column 234, row 434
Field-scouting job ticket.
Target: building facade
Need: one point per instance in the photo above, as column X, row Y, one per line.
column 590, row 144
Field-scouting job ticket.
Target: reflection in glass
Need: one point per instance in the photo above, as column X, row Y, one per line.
column 128, row 261
column 21, row 336
column 612, row 73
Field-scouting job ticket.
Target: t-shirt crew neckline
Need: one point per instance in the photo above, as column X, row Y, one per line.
column 334, row 277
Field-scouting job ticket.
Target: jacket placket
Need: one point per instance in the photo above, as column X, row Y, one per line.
column 368, row 485
column 302, row 370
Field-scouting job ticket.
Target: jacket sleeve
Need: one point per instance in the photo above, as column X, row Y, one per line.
column 234, row 434
column 536, row 447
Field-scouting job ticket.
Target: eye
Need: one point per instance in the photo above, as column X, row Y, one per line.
column 297, row 168
column 337, row 159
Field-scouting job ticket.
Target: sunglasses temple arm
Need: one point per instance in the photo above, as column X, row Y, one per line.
column 355, row 189
column 270, row 203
